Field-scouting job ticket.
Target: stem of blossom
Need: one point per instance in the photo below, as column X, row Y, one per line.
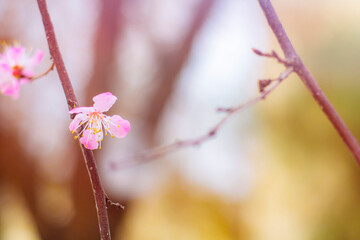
column 99, row 194
column 45, row 73
column 294, row 61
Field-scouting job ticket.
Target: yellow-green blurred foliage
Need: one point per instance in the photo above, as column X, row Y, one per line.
column 181, row 211
column 15, row 220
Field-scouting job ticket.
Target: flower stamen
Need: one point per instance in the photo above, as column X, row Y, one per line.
column 94, row 124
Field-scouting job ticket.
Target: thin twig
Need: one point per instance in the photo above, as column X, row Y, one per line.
column 293, row 60
column 273, row 54
column 99, row 194
column 45, row 73
column 178, row 145
column 115, row 204
column 263, row 94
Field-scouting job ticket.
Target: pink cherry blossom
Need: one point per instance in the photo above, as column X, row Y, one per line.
column 16, row 68
column 92, row 124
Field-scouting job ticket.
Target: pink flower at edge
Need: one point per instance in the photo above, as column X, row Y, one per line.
column 94, row 124
column 16, row 68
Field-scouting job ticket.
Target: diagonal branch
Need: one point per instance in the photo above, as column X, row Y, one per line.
column 99, row 194
column 294, row 61
column 178, row 145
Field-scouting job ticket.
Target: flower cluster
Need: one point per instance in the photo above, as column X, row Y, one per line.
column 16, row 68
column 91, row 124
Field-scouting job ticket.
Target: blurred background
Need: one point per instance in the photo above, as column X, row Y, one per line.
column 275, row 171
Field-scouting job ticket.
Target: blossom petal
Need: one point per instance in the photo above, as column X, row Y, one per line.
column 75, row 123
column 15, row 55
column 104, row 101
column 89, row 140
column 28, row 73
column 24, row 80
column 11, row 88
column 85, row 110
column 16, row 69
column 119, row 127
column 5, row 67
column 31, row 62
column 36, row 58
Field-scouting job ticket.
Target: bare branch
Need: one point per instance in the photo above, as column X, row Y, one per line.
column 98, row 190
column 294, row 61
column 178, row 145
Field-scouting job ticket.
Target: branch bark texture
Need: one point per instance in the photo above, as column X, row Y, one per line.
column 293, row 60
column 99, row 194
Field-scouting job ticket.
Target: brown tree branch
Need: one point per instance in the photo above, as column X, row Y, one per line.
column 293, row 60
column 109, row 33
column 178, row 145
column 99, row 194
